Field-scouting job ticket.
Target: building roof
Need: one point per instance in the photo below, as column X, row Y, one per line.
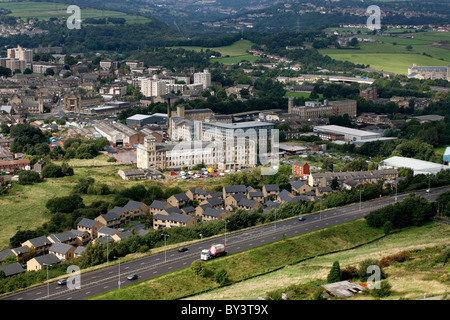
column 12, row 269
column 62, row 237
column 271, row 187
column 107, row 231
column 244, row 202
column 87, row 223
column 47, row 259
column 298, row 184
column 419, row 166
column 212, row 212
column 181, row 197
column 133, row 205
column 41, row 241
column 182, row 218
column 237, row 188
column 60, row 248
column 157, row 204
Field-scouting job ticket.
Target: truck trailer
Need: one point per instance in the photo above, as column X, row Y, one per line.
column 215, row 251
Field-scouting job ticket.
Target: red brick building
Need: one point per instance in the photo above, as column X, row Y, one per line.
column 14, row 165
column 300, row 169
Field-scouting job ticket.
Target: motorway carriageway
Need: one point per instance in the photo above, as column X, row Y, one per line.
column 106, row 279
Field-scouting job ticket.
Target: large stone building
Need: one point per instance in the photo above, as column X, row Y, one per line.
column 316, row 109
column 222, row 155
column 435, row 72
column 203, row 77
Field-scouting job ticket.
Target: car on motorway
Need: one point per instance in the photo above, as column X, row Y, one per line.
column 132, row 276
column 62, row 282
column 301, row 219
column 182, row 249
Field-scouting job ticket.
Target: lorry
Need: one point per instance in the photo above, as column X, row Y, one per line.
column 214, row 251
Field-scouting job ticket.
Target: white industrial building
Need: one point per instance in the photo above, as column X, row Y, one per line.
column 418, row 166
column 350, row 134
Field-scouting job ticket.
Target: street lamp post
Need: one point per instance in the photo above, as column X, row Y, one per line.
column 48, row 284
column 360, row 192
column 118, row 282
column 320, row 211
column 225, row 231
column 165, row 252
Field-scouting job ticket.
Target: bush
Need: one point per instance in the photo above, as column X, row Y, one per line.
column 29, row 177
column 364, row 265
column 222, row 277
column 384, row 291
column 335, row 273
column 349, row 273
column 399, row 257
column 198, row 268
column 64, row 204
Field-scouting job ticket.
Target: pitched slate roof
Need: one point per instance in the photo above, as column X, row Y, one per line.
column 40, row 241
column 133, row 205
column 298, row 184
column 183, row 218
column 285, row 195
column 212, row 212
column 60, row 248
column 181, row 197
column 87, row 223
column 12, row 269
column 271, row 187
column 62, row 237
column 124, row 234
column 156, row 204
column 47, row 259
column 214, row 202
column 199, row 191
column 5, row 253
column 246, row 203
column 107, row 230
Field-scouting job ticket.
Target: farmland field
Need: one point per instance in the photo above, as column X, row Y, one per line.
column 45, row 10
column 392, row 54
column 237, row 52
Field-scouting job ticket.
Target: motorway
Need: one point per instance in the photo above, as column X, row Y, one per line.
column 96, row 282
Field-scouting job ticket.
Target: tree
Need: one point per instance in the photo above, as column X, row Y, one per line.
column 29, row 177
column 49, row 72
column 335, row 273
column 64, row 204
column 384, row 291
column 334, row 183
column 222, row 277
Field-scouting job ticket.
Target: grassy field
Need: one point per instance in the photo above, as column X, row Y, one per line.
column 409, row 280
column 46, row 10
column 249, row 263
column 237, row 52
column 24, row 206
column 410, row 283
column 389, row 62
column 301, row 95
column 392, row 54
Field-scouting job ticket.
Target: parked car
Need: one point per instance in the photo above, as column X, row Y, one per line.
column 62, row 282
column 132, row 276
column 182, row 249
